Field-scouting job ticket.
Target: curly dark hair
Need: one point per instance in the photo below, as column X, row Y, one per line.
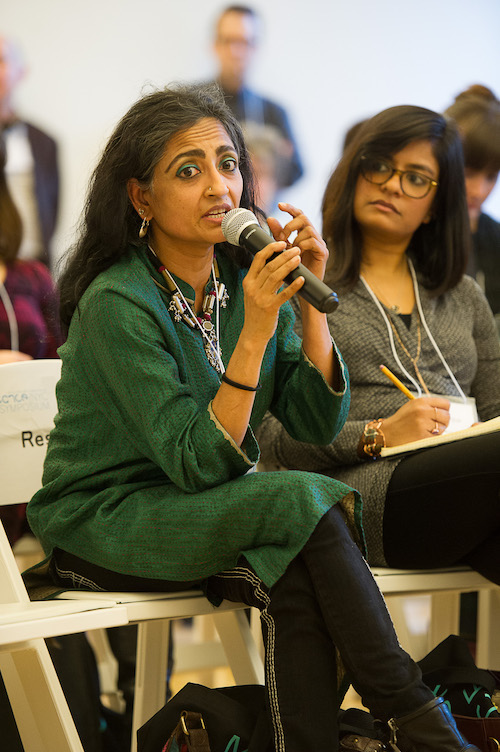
column 439, row 249
column 109, row 224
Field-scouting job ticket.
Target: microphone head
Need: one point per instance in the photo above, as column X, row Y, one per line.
column 234, row 222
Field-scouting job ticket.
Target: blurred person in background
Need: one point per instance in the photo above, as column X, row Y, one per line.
column 269, row 155
column 235, row 44
column 32, row 166
column 477, row 114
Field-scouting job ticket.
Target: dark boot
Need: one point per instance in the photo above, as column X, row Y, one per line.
column 431, row 728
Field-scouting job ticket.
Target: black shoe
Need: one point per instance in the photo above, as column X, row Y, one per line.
column 431, row 728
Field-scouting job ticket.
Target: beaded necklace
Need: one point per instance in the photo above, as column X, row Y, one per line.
column 180, row 307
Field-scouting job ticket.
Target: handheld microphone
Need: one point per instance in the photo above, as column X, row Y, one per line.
column 241, row 227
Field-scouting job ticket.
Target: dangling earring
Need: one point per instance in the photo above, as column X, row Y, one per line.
column 145, row 224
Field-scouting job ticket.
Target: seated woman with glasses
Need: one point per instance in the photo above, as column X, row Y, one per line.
column 395, row 220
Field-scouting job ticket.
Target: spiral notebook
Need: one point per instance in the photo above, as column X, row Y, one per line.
column 489, row 426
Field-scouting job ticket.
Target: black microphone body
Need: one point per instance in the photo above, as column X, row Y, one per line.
column 254, row 238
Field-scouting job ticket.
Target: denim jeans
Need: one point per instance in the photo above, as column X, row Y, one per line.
column 326, row 601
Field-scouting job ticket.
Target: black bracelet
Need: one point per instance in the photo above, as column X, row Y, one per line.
column 240, row 386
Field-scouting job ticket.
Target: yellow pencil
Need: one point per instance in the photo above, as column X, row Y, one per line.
column 396, row 382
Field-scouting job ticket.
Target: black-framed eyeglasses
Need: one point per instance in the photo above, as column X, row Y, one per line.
column 413, row 184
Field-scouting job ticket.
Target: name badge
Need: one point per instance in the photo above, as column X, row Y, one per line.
column 462, row 414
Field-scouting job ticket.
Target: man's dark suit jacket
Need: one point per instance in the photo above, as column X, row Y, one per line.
column 44, row 150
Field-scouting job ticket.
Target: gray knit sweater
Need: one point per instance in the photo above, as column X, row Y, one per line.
column 463, row 327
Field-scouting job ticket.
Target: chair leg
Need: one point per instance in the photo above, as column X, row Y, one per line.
column 256, row 630
column 107, row 666
column 37, row 700
column 150, row 672
column 488, row 643
column 445, row 617
column 240, row 648
column 395, row 606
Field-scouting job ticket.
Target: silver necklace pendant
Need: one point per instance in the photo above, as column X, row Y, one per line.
column 210, row 343
column 207, row 327
column 210, row 346
column 176, row 306
column 181, row 310
column 223, row 294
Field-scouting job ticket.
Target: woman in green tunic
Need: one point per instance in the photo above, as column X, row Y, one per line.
column 178, row 343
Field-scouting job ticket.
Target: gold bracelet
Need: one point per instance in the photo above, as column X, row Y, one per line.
column 372, row 440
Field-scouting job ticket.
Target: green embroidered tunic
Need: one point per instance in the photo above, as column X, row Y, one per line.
column 140, row 477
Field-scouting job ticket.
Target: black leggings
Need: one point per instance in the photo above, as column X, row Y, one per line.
column 326, row 600
column 443, row 508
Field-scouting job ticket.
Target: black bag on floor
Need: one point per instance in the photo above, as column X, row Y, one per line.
column 235, row 718
column 450, row 671
column 360, row 732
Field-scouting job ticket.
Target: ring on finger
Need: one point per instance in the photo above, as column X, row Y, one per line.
column 435, row 430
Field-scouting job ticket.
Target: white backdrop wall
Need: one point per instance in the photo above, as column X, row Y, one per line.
column 329, row 62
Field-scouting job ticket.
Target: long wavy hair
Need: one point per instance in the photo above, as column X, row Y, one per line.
column 438, row 249
column 109, row 224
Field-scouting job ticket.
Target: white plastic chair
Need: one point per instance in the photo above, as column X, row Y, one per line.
column 38, row 703
column 443, row 586
column 30, row 386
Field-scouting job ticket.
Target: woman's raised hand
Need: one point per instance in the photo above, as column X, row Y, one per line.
column 271, row 265
column 261, row 287
column 314, row 253
column 417, row 419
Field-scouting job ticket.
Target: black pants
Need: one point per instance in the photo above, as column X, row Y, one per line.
column 443, row 508
column 326, row 600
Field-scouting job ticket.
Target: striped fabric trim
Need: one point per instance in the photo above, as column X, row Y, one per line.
column 78, row 581
column 262, row 596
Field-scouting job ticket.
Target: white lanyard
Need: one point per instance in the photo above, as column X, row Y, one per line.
column 427, row 330
column 431, row 338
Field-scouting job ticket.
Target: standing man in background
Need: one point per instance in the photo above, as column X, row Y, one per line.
column 32, row 168
column 236, row 39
